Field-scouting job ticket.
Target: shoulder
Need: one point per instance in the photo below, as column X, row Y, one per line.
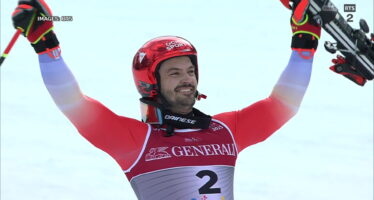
column 228, row 119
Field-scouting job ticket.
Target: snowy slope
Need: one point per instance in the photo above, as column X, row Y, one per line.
column 325, row 152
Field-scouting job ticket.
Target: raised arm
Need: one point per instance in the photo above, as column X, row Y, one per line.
column 258, row 121
column 116, row 135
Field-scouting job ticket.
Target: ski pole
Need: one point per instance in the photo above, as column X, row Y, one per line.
column 10, row 45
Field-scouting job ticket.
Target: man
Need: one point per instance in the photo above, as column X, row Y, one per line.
column 176, row 151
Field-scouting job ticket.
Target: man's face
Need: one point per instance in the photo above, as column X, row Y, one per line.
column 178, row 83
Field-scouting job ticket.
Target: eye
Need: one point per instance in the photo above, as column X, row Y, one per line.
column 191, row 72
column 174, row 74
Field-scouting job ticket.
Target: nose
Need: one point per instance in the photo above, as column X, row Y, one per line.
column 188, row 79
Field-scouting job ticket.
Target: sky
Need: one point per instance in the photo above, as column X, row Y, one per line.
column 324, row 152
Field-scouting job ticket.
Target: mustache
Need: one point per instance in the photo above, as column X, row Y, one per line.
column 185, row 85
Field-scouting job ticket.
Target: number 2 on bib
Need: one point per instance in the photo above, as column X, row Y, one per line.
column 207, row 187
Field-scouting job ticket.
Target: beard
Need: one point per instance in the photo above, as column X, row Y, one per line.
column 178, row 101
column 185, row 101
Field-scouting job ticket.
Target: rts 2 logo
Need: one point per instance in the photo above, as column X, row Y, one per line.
column 350, row 8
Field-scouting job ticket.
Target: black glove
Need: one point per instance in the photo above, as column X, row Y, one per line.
column 33, row 18
column 305, row 31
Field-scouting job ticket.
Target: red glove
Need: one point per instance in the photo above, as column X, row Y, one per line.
column 305, row 30
column 39, row 32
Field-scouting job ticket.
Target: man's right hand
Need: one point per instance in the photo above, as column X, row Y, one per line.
column 38, row 31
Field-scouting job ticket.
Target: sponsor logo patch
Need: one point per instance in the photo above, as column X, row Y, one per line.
column 215, row 127
column 180, row 119
column 157, row 154
column 141, row 56
column 172, row 45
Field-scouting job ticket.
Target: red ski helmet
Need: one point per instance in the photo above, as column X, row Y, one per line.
column 151, row 54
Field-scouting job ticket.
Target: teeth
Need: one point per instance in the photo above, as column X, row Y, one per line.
column 186, row 90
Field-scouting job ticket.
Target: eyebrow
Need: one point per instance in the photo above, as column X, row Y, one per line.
column 178, row 69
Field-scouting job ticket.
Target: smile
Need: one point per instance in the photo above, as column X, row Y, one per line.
column 185, row 90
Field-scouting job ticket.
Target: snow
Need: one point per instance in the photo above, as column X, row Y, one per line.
column 325, row 152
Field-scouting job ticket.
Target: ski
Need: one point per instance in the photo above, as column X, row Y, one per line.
column 357, row 62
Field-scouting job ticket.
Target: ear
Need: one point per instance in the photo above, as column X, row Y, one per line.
column 194, row 62
column 158, row 77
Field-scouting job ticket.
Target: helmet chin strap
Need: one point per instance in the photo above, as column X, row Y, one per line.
column 160, row 113
column 200, row 96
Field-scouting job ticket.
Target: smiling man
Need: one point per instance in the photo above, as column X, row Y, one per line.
column 178, row 84
column 175, row 151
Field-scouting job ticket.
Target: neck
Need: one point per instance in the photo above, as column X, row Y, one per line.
column 181, row 110
column 178, row 109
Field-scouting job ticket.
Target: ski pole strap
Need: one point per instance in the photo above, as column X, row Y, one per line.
column 305, row 53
